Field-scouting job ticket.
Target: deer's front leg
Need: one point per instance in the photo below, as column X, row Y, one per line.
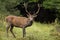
column 24, row 32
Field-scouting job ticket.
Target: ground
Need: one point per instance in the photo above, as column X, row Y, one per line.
column 37, row 31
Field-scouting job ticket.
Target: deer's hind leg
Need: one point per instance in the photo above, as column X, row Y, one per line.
column 11, row 30
column 7, row 28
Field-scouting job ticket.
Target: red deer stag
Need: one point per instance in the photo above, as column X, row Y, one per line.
column 21, row 22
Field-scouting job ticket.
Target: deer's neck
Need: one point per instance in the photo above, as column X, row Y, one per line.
column 30, row 19
column 29, row 23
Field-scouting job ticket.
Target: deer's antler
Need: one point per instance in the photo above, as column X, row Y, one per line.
column 38, row 9
column 25, row 5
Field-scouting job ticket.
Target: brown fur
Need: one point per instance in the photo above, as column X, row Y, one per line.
column 17, row 21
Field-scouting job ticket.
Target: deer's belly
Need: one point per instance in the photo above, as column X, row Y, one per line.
column 18, row 26
column 23, row 25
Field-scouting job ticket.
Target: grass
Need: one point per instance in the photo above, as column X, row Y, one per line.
column 37, row 31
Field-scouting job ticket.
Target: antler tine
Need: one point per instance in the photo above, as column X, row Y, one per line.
column 38, row 9
column 25, row 5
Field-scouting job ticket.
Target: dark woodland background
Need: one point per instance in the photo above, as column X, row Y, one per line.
column 49, row 10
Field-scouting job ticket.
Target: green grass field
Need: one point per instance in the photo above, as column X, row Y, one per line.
column 37, row 31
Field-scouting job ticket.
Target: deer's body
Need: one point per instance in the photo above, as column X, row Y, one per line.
column 18, row 21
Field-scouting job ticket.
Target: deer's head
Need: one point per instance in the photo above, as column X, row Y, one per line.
column 29, row 15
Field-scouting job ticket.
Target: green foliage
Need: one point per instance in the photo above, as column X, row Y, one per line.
column 33, row 0
column 52, row 4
